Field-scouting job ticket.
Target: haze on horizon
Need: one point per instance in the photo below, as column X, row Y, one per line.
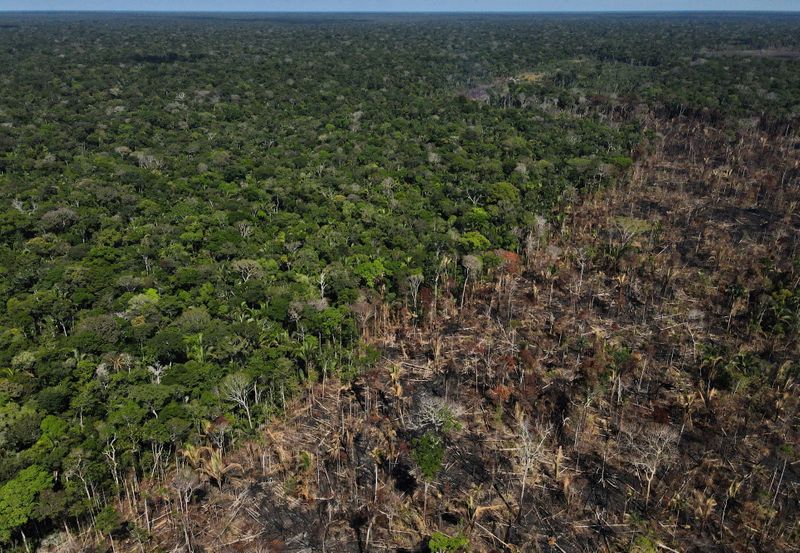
column 400, row 5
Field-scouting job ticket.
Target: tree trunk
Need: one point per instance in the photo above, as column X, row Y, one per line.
column 464, row 290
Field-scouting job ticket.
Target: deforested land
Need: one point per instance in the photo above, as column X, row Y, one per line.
column 399, row 283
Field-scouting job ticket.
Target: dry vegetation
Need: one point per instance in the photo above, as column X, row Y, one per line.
column 530, row 77
column 628, row 383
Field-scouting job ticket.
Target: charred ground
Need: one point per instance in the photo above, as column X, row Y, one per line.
column 383, row 283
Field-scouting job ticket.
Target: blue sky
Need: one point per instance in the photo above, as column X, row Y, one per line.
column 401, row 5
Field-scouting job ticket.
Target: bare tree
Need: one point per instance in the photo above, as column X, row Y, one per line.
column 536, row 237
column 414, row 282
column 581, row 257
column 110, row 451
column 441, row 268
column 435, row 412
column 322, row 281
column 531, row 245
column 650, row 447
column 247, row 269
column 148, row 161
column 472, row 264
column 237, row 388
column 245, row 229
column 530, row 451
column 18, row 205
column 59, row 218
column 542, row 229
column 184, row 483
column 157, row 370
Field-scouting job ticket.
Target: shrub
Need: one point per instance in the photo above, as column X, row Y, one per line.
column 428, row 453
column 442, row 543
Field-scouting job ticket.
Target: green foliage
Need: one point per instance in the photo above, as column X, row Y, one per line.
column 474, row 241
column 621, row 162
column 779, row 312
column 442, row 543
column 643, row 544
column 371, row 271
column 504, row 192
column 428, row 453
column 18, row 499
column 108, row 520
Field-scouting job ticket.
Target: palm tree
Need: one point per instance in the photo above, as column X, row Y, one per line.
column 215, row 467
column 709, row 369
column 194, row 454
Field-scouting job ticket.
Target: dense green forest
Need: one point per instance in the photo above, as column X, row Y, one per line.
column 203, row 216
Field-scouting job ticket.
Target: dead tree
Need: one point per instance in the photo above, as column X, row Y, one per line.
column 472, row 265
column 237, row 388
column 414, row 282
column 530, row 452
column 649, row 448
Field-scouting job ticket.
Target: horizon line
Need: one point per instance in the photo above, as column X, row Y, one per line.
column 405, row 12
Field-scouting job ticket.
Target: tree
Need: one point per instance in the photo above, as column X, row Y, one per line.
column 216, row 468
column 472, row 265
column 428, row 453
column 414, row 282
column 648, row 448
column 18, row 499
column 108, row 520
column 194, row 454
column 237, row 388
column 247, row 269
column 371, row 271
column 59, row 218
column 530, row 452
column 475, row 241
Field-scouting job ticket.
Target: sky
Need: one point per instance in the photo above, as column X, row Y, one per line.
column 403, row 5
